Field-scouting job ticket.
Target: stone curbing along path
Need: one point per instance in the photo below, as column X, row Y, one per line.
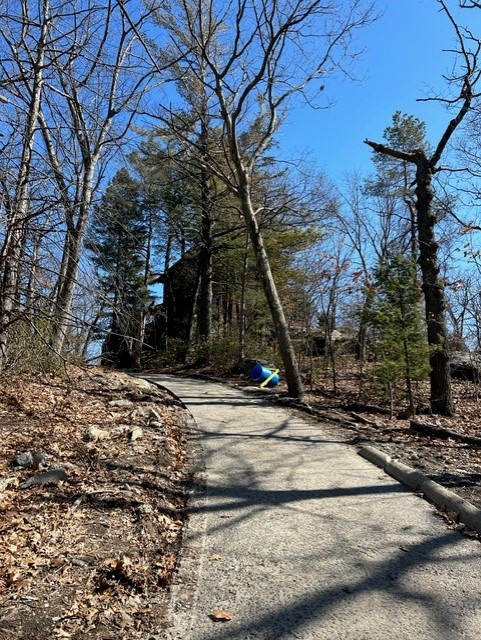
column 444, row 499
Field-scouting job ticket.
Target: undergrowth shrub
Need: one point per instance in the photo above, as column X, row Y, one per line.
column 28, row 351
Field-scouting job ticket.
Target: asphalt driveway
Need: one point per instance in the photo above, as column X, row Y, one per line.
column 295, row 536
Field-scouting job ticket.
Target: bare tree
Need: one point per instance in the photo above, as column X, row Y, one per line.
column 255, row 59
column 97, row 81
column 73, row 76
column 27, row 64
column 427, row 166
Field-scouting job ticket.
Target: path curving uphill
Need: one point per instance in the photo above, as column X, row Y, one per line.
column 292, row 535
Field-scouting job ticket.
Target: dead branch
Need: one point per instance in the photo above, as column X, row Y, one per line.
column 434, row 431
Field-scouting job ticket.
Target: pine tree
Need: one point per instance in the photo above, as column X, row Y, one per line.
column 397, row 316
column 117, row 240
column 392, row 186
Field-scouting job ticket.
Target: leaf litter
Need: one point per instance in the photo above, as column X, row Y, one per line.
column 90, row 552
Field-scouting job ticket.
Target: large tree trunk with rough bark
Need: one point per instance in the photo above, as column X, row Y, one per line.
column 433, row 288
column 204, row 302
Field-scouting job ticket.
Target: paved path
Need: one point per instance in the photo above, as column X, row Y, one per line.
column 300, row 538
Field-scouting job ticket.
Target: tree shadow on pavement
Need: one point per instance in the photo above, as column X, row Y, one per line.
column 443, row 615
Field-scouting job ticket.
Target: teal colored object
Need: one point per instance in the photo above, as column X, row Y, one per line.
column 261, row 374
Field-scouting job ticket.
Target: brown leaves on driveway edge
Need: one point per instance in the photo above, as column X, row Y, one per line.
column 221, row 615
column 89, row 544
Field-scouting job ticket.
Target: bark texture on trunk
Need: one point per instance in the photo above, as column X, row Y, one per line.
column 433, row 289
column 432, row 284
column 67, row 279
column 293, row 378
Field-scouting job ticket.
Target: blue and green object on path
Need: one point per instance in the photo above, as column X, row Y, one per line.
column 265, row 376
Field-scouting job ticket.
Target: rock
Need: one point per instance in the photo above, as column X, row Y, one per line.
column 141, row 412
column 121, row 430
column 24, row 460
column 48, row 477
column 66, row 466
column 93, row 434
column 142, row 384
column 122, row 402
column 465, row 365
column 136, row 433
column 146, row 413
column 5, row 482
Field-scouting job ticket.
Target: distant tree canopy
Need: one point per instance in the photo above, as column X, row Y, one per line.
column 170, row 226
column 117, row 241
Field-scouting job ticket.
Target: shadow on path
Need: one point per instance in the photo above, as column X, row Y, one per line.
column 387, row 578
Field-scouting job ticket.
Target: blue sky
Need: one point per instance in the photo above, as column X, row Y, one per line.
column 403, row 58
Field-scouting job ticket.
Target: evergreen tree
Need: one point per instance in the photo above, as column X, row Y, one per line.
column 286, row 212
column 117, row 241
column 397, row 316
column 392, row 186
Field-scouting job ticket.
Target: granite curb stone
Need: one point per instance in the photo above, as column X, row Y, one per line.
column 444, row 499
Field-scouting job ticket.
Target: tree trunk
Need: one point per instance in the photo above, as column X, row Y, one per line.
column 433, row 288
column 204, row 312
column 361, row 342
column 432, row 283
column 294, row 383
column 32, row 277
column 15, row 224
column 68, row 279
column 204, row 317
column 242, row 302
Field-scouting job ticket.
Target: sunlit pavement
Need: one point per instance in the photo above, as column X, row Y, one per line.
column 294, row 535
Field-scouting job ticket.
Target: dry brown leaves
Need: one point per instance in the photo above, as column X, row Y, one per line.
column 221, row 615
column 90, row 557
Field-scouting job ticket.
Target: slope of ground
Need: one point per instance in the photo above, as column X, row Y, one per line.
column 93, row 482
column 94, row 472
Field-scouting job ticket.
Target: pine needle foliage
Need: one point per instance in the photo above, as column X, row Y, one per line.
column 401, row 348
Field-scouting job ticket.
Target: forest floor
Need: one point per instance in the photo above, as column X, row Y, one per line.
column 93, row 481
column 94, row 474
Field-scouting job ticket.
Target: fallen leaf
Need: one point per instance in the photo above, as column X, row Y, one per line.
column 12, row 576
column 92, row 615
column 22, row 584
column 220, row 615
column 58, row 562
